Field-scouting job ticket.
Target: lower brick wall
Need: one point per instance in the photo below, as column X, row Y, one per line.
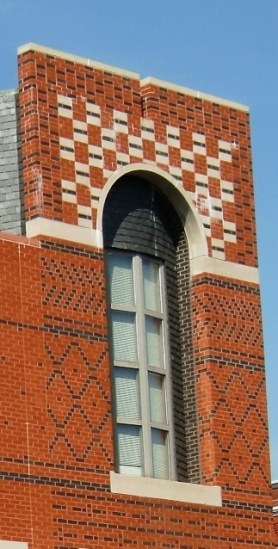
column 56, row 422
column 65, row 516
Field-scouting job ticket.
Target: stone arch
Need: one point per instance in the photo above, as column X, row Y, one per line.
column 176, row 195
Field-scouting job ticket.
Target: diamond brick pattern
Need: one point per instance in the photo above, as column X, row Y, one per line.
column 245, row 429
column 74, row 390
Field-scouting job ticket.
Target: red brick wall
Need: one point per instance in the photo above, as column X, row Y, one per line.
column 275, row 505
column 56, row 423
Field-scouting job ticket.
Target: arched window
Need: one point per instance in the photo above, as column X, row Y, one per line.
column 150, row 332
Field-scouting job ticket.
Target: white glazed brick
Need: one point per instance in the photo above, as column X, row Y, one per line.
column 201, row 180
column 229, row 231
column 173, row 136
column 67, row 143
column 82, row 167
column 206, row 223
column 227, row 191
column 218, row 248
column 96, row 191
column 67, row 148
column 120, row 122
column 108, row 139
column 82, row 173
column 95, row 195
column 93, row 114
column 84, row 216
column 213, row 167
column 122, row 159
column 95, row 156
column 94, row 203
column 65, row 106
column 68, row 197
column 68, row 185
column 199, row 143
column 135, row 146
column 69, row 191
column 84, row 210
column 83, row 222
column 176, row 172
column 66, row 113
column 225, row 150
column 161, row 153
column 199, row 149
column 83, row 179
column 147, row 129
column 216, row 210
column 80, row 131
column 187, row 160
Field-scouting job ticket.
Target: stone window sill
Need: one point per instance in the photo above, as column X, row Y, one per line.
column 165, row 489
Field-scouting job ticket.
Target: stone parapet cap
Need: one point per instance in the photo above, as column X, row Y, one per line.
column 77, row 59
column 193, row 93
column 128, row 74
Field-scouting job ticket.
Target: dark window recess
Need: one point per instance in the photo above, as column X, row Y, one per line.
column 199, row 143
column 63, row 106
column 68, row 149
column 119, row 121
column 162, row 153
column 77, row 130
column 97, row 156
column 84, row 174
column 139, row 218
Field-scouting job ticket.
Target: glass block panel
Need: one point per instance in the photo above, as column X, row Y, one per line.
column 129, row 450
column 124, row 336
column 160, row 454
column 127, row 393
column 151, row 285
column 154, row 342
column 121, row 279
column 157, row 398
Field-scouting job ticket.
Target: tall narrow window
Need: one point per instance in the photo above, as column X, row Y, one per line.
column 152, row 351
column 141, row 372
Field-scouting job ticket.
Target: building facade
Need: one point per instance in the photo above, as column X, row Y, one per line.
column 133, row 406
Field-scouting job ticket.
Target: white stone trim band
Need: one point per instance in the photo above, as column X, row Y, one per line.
column 92, row 237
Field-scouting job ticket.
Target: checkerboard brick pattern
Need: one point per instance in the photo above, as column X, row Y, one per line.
column 119, row 145
column 81, row 124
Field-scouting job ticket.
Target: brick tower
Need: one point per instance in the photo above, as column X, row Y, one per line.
column 133, row 406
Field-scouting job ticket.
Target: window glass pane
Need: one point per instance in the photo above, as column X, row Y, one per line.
column 121, row 279
column 151, row 285
column 127, row 393
column 124, row 335
column 160, row 454
column 157, row 398
column 154, row 342
column 129, row 450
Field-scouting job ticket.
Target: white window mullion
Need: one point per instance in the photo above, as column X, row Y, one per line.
column 143, row 370
column 168, row 381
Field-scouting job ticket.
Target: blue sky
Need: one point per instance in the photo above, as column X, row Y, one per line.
column 225, row 48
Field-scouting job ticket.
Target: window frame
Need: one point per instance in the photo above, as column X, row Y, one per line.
column 141, row 312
